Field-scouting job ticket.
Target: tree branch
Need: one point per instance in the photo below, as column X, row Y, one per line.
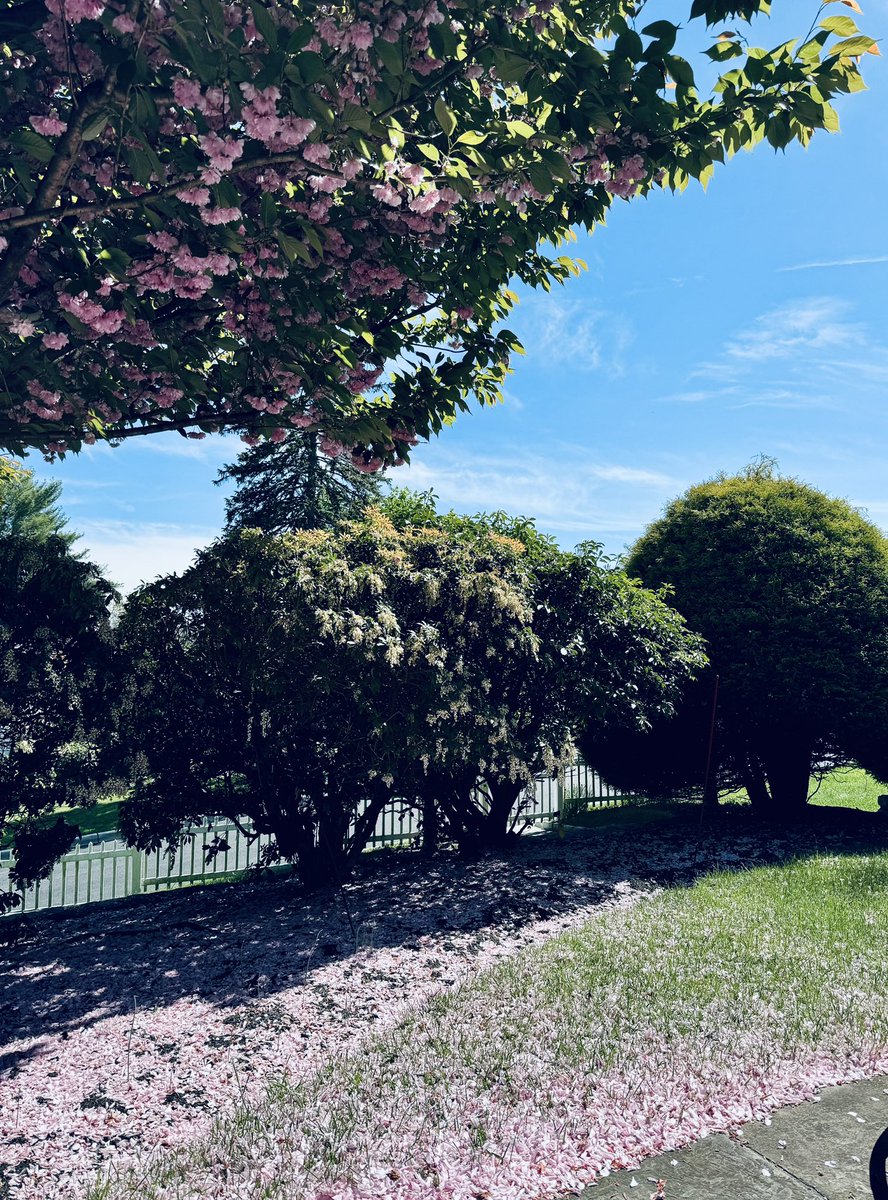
column 95, row 96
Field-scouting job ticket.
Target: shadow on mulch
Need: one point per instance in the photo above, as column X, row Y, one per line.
column 230, row 943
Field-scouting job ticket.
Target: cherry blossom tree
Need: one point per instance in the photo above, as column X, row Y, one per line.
column 260, row 215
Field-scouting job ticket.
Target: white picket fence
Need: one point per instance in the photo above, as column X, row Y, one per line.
column 105, row 868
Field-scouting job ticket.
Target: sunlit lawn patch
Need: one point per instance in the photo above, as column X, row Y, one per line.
column 689, row 1012
column 849, row 787
column 102, row 817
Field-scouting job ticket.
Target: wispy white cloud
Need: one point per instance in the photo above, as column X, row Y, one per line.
column 870, row 366
column 789, row 398
column 805, row 354
column 804, row 326
column 134, row 552
column 700, row 395
column 620, row 474
column 836, row 262
column 572, row 334
column 215, row 448
column 570, row 494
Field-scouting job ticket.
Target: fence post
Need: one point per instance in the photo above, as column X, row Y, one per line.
column 560, row 794
column 136, row 885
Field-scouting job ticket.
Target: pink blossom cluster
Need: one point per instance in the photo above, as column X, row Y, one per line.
column 97, row 319
column 49, row 125
column 75, row 11
column 342, row 218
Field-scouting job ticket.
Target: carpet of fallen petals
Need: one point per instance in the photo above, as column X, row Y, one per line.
column 128, row 1029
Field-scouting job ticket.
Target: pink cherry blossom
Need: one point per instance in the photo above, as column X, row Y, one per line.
column 360, row 35
column 186, row 92
column 221, row 216
column 51, row 126
column 77, row 10
column 222, row 152
column 198, row 196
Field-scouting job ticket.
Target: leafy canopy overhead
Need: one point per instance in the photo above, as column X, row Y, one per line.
column 251, row 216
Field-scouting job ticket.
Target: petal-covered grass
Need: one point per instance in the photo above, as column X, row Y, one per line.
column 272, row 1044
column 637, row 1031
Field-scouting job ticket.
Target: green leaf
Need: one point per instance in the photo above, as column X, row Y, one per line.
column 830, row 119
column 843, row 26
column 520, row 129
column 510, row 67
column 629, row 46
column 430, row 151
column 321, row 108
column 293, row 248
column 812, row 49
column 660, row 29
column 471, row 138
column 389, row 54
column 311, row 66
column 96, row 127
column 444, row 117
column 853, row 46
column 269, row 210
column 680, row 70
column 264, row 23
column 357, row 118
column 34, row 144
column 724, row 50
column 139, row 164
column 540, row 178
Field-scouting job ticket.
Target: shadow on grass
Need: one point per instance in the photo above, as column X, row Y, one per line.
column 234, row 943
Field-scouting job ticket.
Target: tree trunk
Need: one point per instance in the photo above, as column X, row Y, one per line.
column 788, row 772
column 294, row 837
column 430, row 828
column 503, row 795
column 756, row 789
column 710, row 792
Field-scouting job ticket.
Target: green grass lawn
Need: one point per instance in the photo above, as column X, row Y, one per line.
column 846, row 787
column 849, row 787
column 97, row 818
column 682, row 1009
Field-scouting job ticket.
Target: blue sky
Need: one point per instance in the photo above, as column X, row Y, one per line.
column 709, row 328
